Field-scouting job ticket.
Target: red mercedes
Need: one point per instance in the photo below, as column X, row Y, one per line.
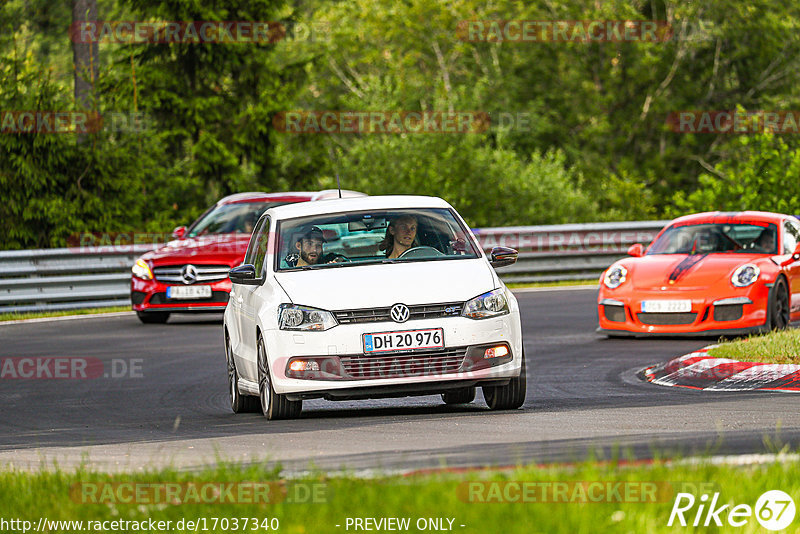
column 190, row 274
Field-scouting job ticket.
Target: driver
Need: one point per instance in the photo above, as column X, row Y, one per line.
column 401, row 235
column 765, row 241
column 309, row 249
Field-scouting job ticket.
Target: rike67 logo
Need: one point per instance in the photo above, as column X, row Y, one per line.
column 774, row 510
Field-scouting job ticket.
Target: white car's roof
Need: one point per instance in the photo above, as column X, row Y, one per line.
column 337, row 205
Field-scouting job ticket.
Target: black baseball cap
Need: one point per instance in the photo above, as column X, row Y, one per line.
column 311, row 232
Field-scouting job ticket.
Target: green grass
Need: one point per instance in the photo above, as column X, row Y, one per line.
column 775, row 347
column 64, row 313
column 562, row 283
column 57, row 496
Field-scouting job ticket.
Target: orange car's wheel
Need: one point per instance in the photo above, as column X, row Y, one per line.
column 779, row 305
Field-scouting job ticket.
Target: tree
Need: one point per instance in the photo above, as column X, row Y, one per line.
column 86, row 56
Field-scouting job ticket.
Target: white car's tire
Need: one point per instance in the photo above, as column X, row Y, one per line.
column 510, row 396
column 239, row 403
column 273, row 405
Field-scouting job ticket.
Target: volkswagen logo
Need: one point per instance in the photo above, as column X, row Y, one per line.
column 189, row 274
column 400, row 313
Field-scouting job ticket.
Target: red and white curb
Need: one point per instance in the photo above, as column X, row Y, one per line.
column 698, row 370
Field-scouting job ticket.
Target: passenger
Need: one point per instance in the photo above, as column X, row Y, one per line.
column 401, row 235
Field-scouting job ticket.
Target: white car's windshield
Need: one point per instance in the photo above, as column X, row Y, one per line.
column 343, row 239
column 239, row 217
column 758, row 238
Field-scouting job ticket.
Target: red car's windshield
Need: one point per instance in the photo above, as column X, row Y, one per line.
column 759, row 238
column 231, row 218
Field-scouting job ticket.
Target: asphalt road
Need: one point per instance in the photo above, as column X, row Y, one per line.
column 172, row 409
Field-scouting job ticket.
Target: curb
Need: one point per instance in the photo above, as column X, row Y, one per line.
column 698, row 370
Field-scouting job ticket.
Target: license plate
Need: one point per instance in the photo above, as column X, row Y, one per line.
column 189, row 292
column 666, row 306
column 429, row 338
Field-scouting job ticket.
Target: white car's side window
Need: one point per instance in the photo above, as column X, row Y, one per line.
column 249, row 257
column 262, row 241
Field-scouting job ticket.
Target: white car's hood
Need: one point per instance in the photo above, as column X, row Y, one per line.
column 373, row 286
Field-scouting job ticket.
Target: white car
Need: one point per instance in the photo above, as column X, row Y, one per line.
column 370, row 297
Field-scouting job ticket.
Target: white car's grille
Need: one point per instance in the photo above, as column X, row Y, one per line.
column 429, row 363
column 191, row 274
column 378, row 315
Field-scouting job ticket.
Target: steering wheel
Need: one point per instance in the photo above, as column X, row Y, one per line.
column 420, row 252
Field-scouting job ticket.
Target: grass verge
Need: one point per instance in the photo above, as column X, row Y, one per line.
column 588, row 497
column 774, row 347
column 63, row 313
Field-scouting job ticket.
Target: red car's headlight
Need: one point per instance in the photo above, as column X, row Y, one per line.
column 615, row 276
column 745, row 275
column 141, row 270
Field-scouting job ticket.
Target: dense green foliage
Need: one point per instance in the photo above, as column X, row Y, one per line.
column 595, row 144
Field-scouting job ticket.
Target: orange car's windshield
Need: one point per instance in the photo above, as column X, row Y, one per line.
column 710, row 238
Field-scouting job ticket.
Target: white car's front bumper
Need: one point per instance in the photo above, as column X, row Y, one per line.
column 381, row 373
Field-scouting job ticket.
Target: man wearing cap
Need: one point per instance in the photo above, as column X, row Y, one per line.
column 309, row 249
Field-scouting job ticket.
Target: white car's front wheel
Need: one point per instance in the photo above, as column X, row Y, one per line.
column 273, row 406
column 508, row 397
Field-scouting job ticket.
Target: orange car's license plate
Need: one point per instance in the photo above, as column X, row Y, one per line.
column 666, row 306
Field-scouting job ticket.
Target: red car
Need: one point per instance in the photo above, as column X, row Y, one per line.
column 707, row 274
column 190, row 274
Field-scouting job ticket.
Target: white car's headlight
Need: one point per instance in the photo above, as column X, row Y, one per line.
column 141, row 270
column 293, row 317
column 489, row 304
column 615, row 276
column 745, row 275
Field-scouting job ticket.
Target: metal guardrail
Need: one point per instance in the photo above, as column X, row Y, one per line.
column 96, row 277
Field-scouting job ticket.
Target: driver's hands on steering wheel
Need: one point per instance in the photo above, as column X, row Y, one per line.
column 339, row 258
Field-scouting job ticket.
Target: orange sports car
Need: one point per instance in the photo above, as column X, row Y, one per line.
column 706, row 274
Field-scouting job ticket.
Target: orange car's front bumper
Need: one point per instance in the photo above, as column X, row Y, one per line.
column 734, row 311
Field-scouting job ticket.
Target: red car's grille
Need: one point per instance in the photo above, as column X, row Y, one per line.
column 217, row 297
column 430, row 363
column 666, row 318
column 174, row 274
column 730, row 312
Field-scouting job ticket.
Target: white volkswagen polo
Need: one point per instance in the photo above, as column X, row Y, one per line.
column 366, row 298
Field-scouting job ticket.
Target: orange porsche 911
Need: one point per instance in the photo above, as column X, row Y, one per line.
column 707, row 274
